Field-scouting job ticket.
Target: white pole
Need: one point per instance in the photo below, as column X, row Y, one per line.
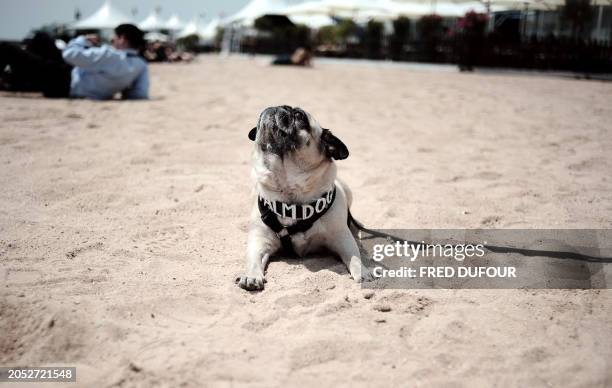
column 599, row 18
column 489, row 18
column 525, row 15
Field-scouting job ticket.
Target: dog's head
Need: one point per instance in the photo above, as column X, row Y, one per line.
column 292, row 132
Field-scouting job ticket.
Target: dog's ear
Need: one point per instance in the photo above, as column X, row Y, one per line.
column 253, row 133
column 332, row 146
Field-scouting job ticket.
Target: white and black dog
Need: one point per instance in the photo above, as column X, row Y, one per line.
column 299, row 204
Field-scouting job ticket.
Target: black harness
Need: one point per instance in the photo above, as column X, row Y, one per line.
column 304, row 214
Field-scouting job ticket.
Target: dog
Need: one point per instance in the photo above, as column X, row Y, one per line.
column 300, row 206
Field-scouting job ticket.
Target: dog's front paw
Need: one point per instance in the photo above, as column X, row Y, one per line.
column 251, row 283
column 361, row 273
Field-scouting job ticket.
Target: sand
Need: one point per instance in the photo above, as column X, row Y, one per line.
column 123, row 226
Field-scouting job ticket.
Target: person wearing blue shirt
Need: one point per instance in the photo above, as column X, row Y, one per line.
column 88, row 71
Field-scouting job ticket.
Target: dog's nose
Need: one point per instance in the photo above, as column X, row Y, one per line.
column 279, row 119
column 283, row 120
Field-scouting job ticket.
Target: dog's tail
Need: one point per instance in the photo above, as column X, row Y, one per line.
column 359, row 227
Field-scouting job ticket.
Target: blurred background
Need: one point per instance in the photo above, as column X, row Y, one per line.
column 565, row 35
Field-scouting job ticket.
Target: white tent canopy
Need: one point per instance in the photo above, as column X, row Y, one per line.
column 152, row 23
column 502, row 5
column 343, row 8
column 520, row 5
column 385, row 9
column 209, row 32
column 306, row 8
column 156, row 37
column 106, row 17
column 191, row 28
column 174, row 23
column 448, row 9
column 312, row 21
column 204, row 33
column 352, row 7
column 442, row 8
column 255, row 9
column 414, row 8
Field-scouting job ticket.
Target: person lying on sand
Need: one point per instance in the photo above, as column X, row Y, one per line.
column 88, row 71
column 163, row 52
column 302, row 56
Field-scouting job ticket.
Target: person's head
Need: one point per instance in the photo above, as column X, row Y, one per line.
column 128, row 36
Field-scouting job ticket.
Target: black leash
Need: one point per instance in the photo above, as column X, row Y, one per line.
column 493, row 248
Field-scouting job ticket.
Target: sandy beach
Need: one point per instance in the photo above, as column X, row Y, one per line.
column 123, row 226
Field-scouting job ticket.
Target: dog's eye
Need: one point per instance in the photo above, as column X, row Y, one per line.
column 299, row 115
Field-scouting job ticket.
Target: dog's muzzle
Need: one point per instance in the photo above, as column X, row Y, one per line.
column 279, row 119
